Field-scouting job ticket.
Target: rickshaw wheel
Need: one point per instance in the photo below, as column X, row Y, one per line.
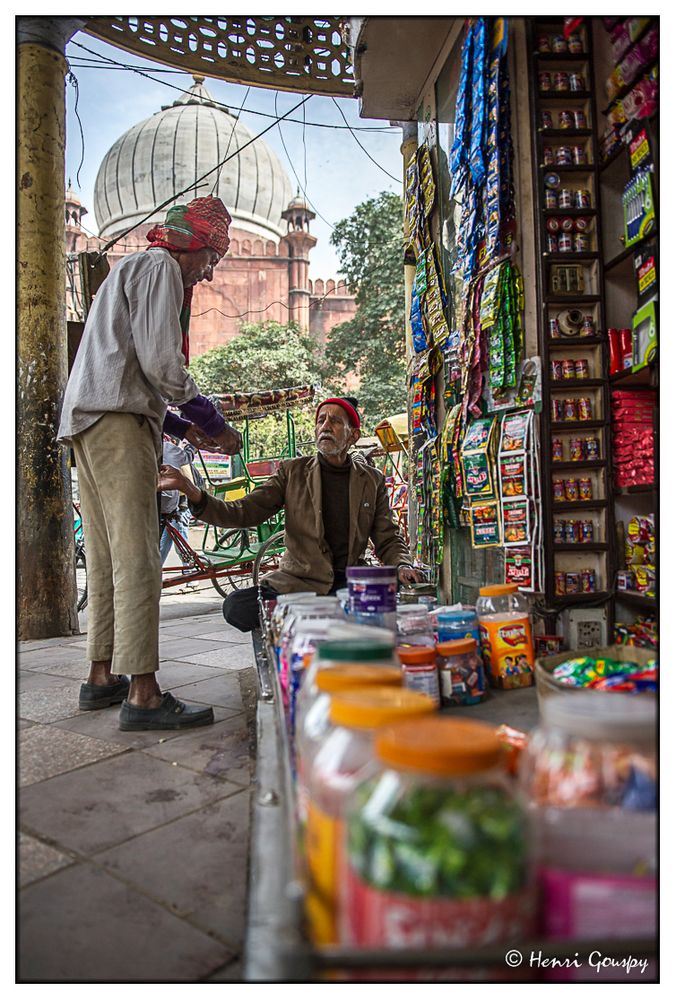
column 231, row 583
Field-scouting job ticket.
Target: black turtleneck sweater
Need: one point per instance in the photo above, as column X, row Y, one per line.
column 336, row 514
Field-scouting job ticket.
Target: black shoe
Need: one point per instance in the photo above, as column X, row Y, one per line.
column 171, row 714
column 102, row 695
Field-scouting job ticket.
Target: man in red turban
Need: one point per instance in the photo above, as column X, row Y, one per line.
column 130, row 364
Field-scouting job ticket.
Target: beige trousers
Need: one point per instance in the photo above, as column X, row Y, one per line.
column 117, row 476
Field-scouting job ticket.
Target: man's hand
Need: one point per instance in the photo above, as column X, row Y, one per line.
column 228, row 442
column 197, row 437
column 407, row 574
column 171, row 479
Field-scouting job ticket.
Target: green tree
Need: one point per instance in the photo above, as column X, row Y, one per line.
column 372, row 344
column 266, row 355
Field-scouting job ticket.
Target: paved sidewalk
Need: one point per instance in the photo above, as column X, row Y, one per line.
column 134, row 846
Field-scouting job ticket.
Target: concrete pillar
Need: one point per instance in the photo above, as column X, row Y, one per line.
column 46, row 591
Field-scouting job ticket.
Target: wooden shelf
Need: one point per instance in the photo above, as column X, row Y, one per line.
column 568, row 599
column 628, row 491
column 558, row 95
column 581, row 547
column 569, row 258
column 642, row 378
column 573, row 341
column 628, row 251
column 562, row 505
column 571, row 300
column 565, row 133
column 577, row 383
column 576, row 425
column 591, row 463
column 634, row 597
column 567, row 57
column 574, row 212
column 571, row 168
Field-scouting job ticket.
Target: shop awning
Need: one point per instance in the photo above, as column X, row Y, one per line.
column 392, row 432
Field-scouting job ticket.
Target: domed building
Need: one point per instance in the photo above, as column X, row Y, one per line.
column 265, row 272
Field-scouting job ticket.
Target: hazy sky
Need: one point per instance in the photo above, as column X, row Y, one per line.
column 339, row 174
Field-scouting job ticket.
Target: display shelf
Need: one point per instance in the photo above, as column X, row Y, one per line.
column 559, row 95
column 592, row 463
column 564, row 57
column 576, row 383
column 628, row 491
column 628, row 87
column 559, row 506
column 581, row 547
column 565, row 133
column 574, row 299
column 573, row 342
column 628, row 251
column 597, row 597
column 569, row 258
column 570, row 168
column 634, row 597
column 573, row 212
column 642, row 378
column 576, row 425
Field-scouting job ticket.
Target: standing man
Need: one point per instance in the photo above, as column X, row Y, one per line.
column 332, row 505
column 130, row 365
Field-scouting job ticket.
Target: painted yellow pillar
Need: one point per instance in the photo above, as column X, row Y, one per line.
column 46, row 578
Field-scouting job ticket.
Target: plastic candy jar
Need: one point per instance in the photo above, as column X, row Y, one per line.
column 301, row 650
column 284, row 601
column 589, row 773
column 414, row 627
column 437, row 851
column 373, row 595
column 420, row 672
column 311, row 732
column 506, row 636
column 355, row 717
column 301, row 611
column 461, row 673
column 457, row 625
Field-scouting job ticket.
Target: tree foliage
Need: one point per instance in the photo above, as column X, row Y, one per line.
column 372, row 344
column 266, row 355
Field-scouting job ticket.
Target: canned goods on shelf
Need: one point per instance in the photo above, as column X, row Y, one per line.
column 548, row 156
column 559, row 44
column 581, row 368
column 557, row 450
column 566, row 119
column 579, row 155
column 565, row 243
column 582, row 198
column 543, row 44
column 584, row 408
column 586, row 532
column 574, row 44
column 556, row 370
column 576, row 449
column 558, row 490
column 568, row 368
column 553, row 224
column 585, row 489
column 550, row 199
column 559, row 584
column 571, row 490
column 565, row 198
column 572, row 583
column 564, row 156
column 546, row 119
column 588, row 328
column 581, row 243
column 592, row 449
column 576, row 82
column 552, row 243
column 579, row 119
column 561, row 82
column 557, row 410
column 567, row 224
column 570, row 409
column 545, row 81
column 588, row 581
column 581, row 224
column 554, row 328
column 559, row 532
column 570, row 533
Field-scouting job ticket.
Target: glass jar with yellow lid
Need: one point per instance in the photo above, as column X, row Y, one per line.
column 506, row 635
column 355, row 717
column 437, row 846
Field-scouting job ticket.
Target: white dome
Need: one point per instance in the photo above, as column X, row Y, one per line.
column 165, row 153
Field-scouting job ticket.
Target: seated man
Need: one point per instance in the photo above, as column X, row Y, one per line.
column 332, row 506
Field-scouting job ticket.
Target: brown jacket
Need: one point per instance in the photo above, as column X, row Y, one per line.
column 297, row 487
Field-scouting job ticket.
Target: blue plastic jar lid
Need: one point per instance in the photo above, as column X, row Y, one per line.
column 449, row 617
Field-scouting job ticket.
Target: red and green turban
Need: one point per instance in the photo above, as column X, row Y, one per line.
column 203, row 222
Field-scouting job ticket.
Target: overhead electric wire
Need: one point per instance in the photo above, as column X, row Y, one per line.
column 72, row 79
column 114, row 64
column 305, row 194
column 363, row 148
column 218, row 175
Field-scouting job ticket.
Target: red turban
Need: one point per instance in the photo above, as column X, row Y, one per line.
column 203, row 222
column 352, row 414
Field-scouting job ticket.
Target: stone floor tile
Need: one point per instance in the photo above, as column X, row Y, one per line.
column 84, row 924
column 45, row 751
column 25, row 724
column 234, row 656
column 223, row 689
column 173, row 648
column 233, row 972
column 37, row 859
column 42, row 659
column 27, row 645
column 208, row 880
column 77, row 671
column 51, row 703
column 108, row 802
column 175, row 673
column 222, row 751
column 104, row 725
column 227, row 635
column 35, row 680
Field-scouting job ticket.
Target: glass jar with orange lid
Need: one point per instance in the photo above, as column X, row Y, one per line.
column 506, row 635
column 461, row 672
column 437, row 848
column 355, row 717
column 315, row 726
